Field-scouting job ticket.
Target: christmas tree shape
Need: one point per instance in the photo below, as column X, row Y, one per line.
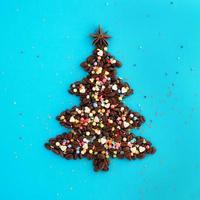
column 101, row 124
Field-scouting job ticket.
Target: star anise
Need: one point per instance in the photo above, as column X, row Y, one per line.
column 100, row 38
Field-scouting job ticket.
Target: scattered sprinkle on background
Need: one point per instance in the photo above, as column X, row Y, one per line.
column 42, row 45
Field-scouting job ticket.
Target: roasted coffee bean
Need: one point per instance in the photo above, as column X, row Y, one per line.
column 140, row 141
column 124, row 144
column 141, row 155
column 105, row 168
column 101, row 156
column 126, row 149
column 68, row 156
column 90, row 156
column 76, row 156
column 83, row 64
column 130, row 137
column 120, row 156
column 47, row 146
column 101, row 165
column 151, row 150
column 128, row 155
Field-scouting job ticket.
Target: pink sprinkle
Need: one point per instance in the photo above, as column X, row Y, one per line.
column 123, row 118
column 101, row 98
column 117, row 145
column 129, row 144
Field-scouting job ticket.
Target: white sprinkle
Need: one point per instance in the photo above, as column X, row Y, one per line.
column 87, row 133
column 87, row 110
column 114, row 87
column 134, row 150
column 63, row 148
column 57, row 143
column 100, row 53
column 141, row 149
column 103, row 140
column 126, row 124
column 113, row 61
column 124, row 90
column 72, row 119
column 124, row 139
column 122, row 109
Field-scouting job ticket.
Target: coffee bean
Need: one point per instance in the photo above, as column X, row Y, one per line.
column 47, row 146
column 68, row 156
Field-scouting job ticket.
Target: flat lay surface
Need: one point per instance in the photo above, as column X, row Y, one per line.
column 42, row 46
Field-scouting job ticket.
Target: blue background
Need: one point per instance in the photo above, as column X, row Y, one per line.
column 43, row 43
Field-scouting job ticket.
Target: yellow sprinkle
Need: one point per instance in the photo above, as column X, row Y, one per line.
column 62, row 117
column 83, row 152
column 101, row 125
column 90, row 151
column 87, row 133
column 124, row 139
column 74, row 90
column 120, row 98
column 94, row 123
column 57, row 143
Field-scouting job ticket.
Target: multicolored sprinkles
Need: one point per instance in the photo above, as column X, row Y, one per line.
column 101, row 124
